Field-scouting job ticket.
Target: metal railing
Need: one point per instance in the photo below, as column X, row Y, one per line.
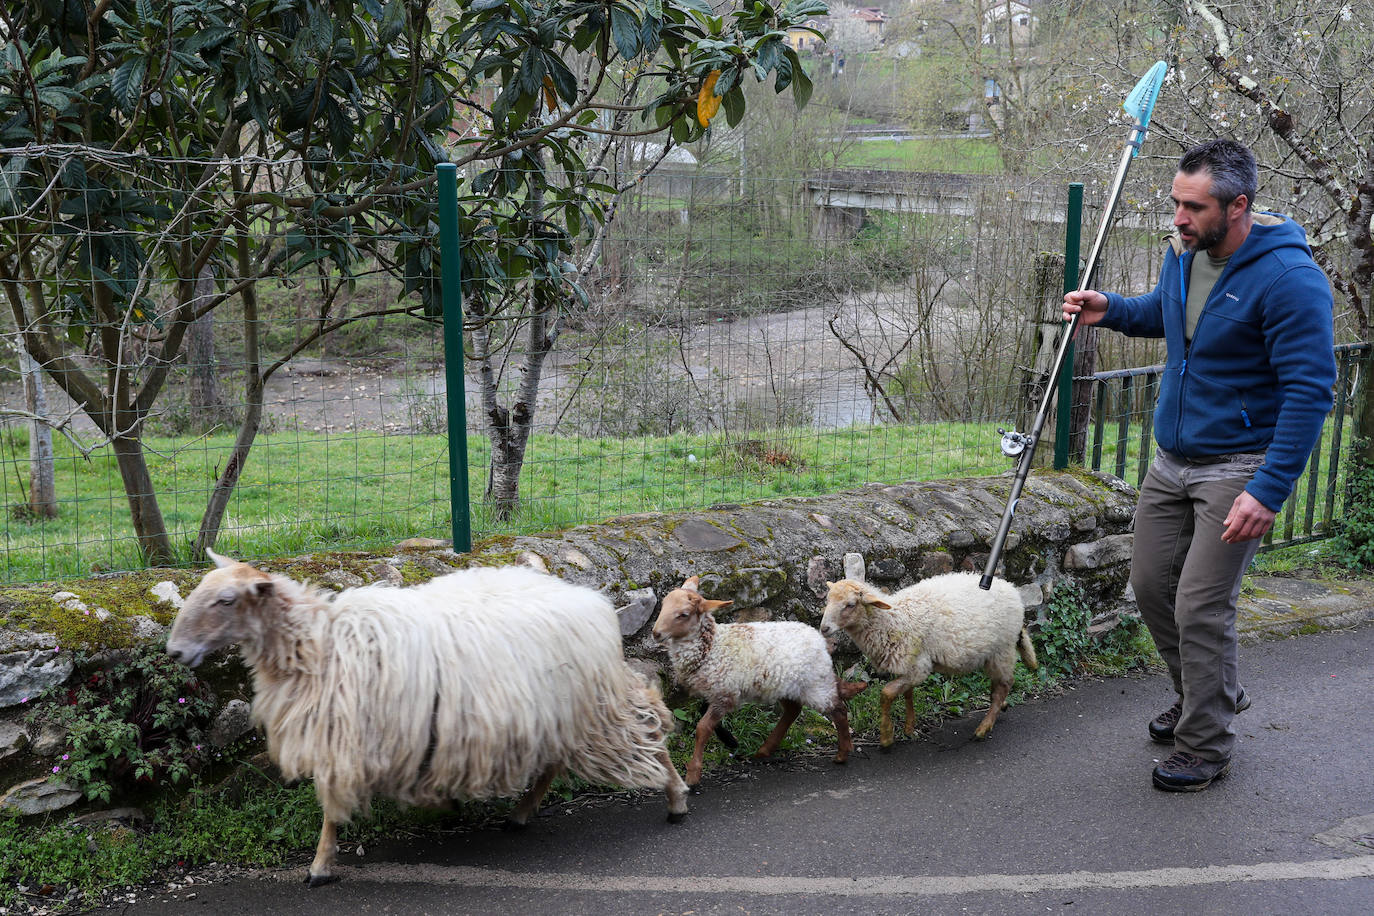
column 1122, row 443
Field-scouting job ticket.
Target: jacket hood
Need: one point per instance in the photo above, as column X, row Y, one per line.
column 1269, row 232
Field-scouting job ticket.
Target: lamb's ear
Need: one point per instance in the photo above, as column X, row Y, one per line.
column 692, row 584
column 220, row 560
column 878, row 603
column 262, row 588
column 713, row 606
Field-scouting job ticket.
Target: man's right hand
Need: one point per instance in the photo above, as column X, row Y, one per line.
column 1088, row 304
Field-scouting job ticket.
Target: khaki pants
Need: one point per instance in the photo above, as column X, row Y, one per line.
column 1186, row 581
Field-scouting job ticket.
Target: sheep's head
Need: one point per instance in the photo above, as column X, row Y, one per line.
column 221, row 610
column 847, row 604
column 683, row 608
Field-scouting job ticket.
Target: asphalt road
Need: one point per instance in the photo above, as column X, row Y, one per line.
column 1054, row 813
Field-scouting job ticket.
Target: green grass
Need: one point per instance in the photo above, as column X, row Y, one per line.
column 307, row 491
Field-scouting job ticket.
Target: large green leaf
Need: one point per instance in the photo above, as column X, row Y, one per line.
column 625, row 31
column 127, row 83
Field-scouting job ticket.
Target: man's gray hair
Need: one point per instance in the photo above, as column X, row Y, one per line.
column 1231, row 166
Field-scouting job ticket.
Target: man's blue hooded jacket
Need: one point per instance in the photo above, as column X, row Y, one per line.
column 1258, row 373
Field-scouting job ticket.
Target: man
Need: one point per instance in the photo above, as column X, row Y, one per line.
column 1246, row 315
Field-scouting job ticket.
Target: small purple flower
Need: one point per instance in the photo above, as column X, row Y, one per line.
column 57, row 769
column 181, row 699
column 24, row 700
column 64, row 756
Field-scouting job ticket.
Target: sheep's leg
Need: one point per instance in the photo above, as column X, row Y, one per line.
column 529, row 802
column 322, row 869
column 1000, row 689
column 891, row 690
column 706, row 725
column 674, row 788
column 845, row 741
column 909, row 725
column 790, row 710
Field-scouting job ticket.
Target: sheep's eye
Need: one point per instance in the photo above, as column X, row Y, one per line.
column 682, row 615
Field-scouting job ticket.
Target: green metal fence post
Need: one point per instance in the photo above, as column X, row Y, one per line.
column 456, row 389
column 1073, row 220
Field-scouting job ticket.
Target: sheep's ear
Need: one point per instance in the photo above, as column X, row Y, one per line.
column 713, row 606
column 220, row 560
column 261, row 588
column 692, row 584
column 878, row 603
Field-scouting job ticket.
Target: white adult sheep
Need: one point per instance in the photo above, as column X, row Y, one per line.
column 729, row 664
column 470, row 685
column 946, row 623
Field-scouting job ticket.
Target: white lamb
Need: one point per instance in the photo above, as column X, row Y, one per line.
column 729, row 664
column 476, row 684
column 945, row 623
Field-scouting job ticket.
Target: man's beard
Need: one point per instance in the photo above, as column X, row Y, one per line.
column 1212, row 237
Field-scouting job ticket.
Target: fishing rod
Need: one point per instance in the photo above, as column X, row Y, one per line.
column 1139, row 104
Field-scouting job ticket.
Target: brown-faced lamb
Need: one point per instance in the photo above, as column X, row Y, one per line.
column 729, row 664
column 478, row 684
column 946, row 623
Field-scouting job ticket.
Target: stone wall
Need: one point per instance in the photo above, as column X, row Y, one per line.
column 771, row 558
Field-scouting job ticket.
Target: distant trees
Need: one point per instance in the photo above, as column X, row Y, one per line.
column 145, row 143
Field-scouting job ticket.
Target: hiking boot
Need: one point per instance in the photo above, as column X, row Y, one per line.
column 1162, row 725
column 1185, row 772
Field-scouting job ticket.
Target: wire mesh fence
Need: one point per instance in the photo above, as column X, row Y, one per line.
column 735, row 338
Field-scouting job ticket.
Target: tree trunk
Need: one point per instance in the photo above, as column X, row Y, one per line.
column 1362, row 448
column 205, row 400
column 143, row 507
column 1038, row 347
column 248, row 429
column 42, row 482
column 1080, row 414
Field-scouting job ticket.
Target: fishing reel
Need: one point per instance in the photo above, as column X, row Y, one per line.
column 1014, row 443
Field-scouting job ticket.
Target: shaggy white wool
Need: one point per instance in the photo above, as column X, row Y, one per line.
column 756, row 663
column 946, row 623
column 470, row 685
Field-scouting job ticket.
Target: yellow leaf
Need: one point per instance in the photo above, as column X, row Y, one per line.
column 708, row 103
column 550, row 97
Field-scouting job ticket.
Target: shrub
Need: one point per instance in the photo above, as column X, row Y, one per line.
column 138, row 718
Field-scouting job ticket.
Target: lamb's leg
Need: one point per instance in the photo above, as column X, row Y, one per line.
column 790, row 710
column 322, row 869
column 845, row 741
column 674, row 788
column 706, row 725
column 909, row 725
column 891, row 691
column 529, row 802
column 1000, row 689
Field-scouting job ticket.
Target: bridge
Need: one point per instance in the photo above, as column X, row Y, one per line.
column 842, row 197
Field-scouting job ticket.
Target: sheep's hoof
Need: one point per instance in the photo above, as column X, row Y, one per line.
column 841, row 761
column 885, row 748
column 694, row 788
column 320, row 880
column 513, row 826
column 677, row 817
